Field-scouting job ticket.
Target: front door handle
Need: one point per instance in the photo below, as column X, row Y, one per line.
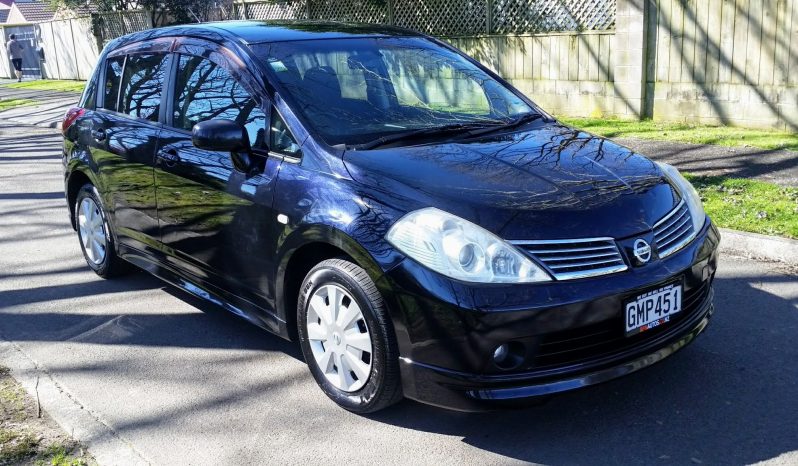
column 98, row 135
column 168, row 157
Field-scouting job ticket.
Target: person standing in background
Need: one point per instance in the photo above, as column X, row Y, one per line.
column 15, row 52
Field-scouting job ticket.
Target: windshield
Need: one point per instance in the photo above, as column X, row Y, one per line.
column 357, row 90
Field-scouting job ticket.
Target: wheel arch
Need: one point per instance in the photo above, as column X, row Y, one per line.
column 77, row 179
column 301, row 252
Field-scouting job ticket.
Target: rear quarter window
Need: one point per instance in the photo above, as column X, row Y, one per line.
column 88, row 99
column 113, row 77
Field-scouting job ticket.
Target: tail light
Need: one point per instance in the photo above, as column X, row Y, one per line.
column 71, row 115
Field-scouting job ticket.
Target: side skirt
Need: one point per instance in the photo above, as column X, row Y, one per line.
column 245, row 309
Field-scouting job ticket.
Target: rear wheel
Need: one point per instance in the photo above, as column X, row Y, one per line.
column 95, row 236
column 347, row 337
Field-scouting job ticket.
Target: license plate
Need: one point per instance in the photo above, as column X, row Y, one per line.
column 653, row 308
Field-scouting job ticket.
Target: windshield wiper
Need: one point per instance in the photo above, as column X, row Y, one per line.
column 414, row 133
column 515, row 122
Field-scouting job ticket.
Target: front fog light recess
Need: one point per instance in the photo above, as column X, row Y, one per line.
column 509, row 355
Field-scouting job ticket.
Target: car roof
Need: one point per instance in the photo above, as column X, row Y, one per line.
column 277, row 31
column 254, row 32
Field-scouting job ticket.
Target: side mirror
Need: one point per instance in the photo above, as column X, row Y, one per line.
column 225, row 136
column 220, row 135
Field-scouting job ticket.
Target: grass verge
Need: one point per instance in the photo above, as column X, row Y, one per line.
column 749, row 205
column 684, row 132
column 26, row 439
column 50, row 85
column 6, row 104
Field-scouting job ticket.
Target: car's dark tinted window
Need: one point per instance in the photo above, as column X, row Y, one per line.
column 206, row 91
column 281, row 139
column 113, row 76
column 141, row 85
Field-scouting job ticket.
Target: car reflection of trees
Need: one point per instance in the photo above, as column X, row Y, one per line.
column 144, row 76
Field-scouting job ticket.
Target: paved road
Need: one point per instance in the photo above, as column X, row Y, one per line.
column 775, row 166
column 186, row 383
column 48, row 111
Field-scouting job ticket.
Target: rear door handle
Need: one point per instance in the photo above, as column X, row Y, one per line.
column 98, row 135
column 168, row 157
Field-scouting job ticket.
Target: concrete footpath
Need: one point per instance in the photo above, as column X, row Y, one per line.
column 48, row 111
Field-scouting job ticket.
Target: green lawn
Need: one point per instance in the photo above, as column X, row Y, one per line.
column 50, row 85
column 749, row 205
column 685, row 132
column 6, row 104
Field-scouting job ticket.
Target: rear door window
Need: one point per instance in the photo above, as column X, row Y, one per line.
column 113, row 77
column 206, row 91
column 142, row 84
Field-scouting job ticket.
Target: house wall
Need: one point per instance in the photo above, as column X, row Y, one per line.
column 15, row 16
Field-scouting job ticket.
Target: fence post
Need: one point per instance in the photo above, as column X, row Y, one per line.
column 307, row 6
column 96, row 30
column 489, row 14
column 391, row 17
column 122, row 23
column 629, row 58
column 246, row 9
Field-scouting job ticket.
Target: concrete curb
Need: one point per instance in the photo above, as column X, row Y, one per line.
column 105, row 444
column 756, row 246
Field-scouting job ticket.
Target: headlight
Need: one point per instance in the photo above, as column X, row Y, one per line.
column 459, row 249
column 688, row 193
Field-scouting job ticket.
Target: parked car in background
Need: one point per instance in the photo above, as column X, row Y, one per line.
column 419, row 226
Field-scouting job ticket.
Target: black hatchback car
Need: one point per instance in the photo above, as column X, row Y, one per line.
column 416, row 223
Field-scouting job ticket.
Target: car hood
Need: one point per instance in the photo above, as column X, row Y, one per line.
column 548, row 182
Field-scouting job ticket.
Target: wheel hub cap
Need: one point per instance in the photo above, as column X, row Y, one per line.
column 339, row 338
column 92, row 231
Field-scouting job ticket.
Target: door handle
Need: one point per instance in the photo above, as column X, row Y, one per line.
column 98, row 135
column 168, row 157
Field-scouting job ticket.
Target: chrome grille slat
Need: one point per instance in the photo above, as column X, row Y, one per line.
column 674, row 230
column 580, row 264
column 674, row 235
column 583, row 256
column 672, row 218
column 559, row 251
column 576, row 258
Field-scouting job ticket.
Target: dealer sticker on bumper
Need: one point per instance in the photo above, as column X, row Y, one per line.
column 653, row 308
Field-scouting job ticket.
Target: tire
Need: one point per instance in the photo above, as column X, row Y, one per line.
column 105, row 264
column 347, row 281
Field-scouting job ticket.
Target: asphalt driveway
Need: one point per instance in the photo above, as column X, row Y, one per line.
column 182, row 382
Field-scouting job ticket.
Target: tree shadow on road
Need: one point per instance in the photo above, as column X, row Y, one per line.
column 211, row 327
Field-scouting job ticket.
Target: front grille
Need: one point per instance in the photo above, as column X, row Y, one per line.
column 593, row 341
column 674, row 231
column 576, row 258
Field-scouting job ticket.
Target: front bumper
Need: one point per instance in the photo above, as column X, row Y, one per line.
column 571, row 332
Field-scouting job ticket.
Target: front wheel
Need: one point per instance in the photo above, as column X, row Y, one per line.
column 347, row 337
